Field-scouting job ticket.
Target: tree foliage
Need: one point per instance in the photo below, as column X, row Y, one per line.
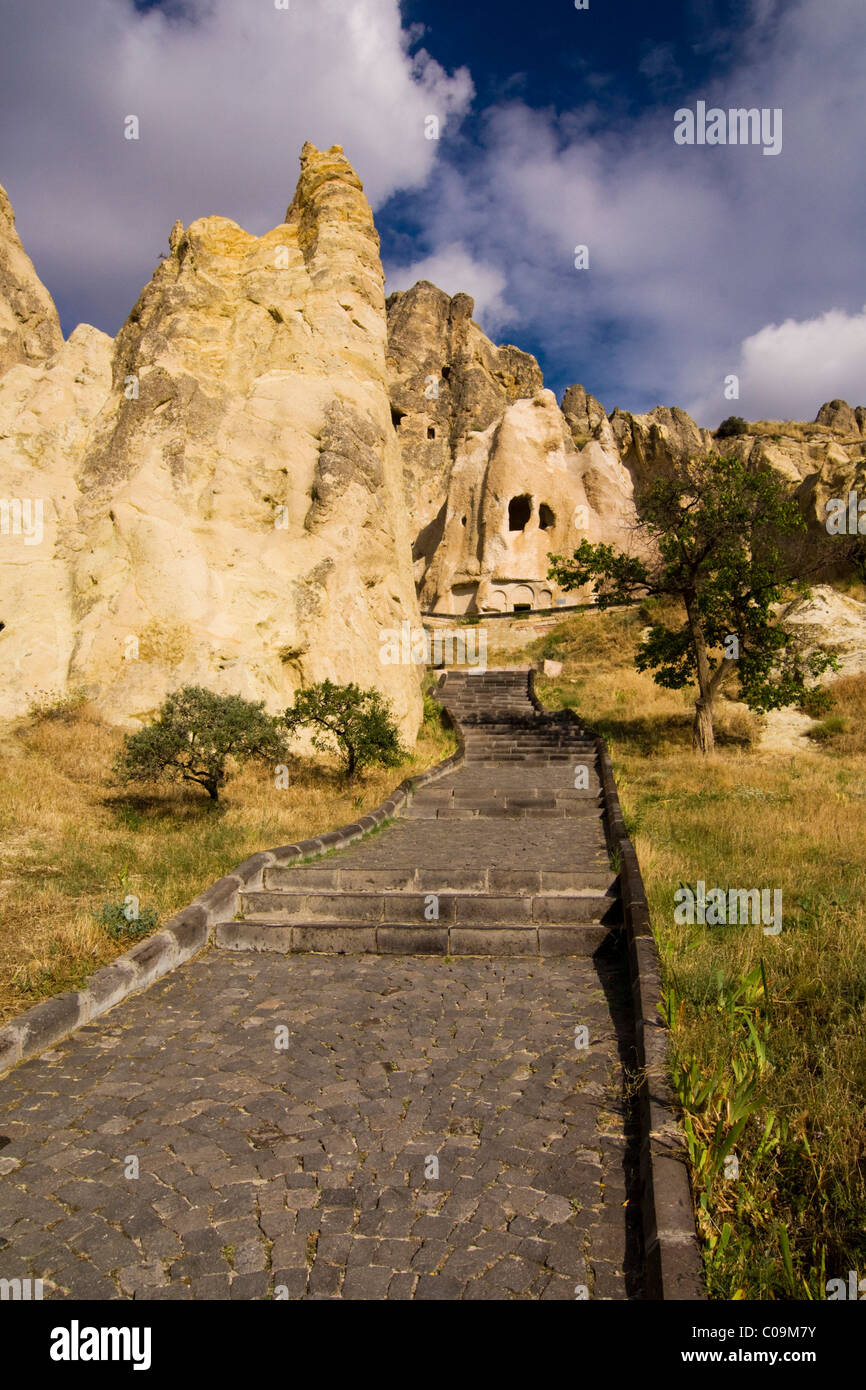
column 357, row 724
column 714, row 526
column 195, row 735
column 733, row 425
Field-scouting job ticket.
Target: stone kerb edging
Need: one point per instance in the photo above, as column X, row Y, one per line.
column 190, row 930
column 672, row 1257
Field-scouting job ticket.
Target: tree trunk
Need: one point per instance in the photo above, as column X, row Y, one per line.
column 702, row 730
column 703, row 737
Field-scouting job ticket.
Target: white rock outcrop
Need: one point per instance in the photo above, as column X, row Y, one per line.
column 222, row 486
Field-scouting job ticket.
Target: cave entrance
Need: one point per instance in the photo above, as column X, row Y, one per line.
column 519, row 512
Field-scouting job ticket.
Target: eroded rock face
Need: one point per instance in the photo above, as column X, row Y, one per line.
column 519, row 491
column 649, row 444
column 838, row 415
column 46, row 415
column 495, row 478
column 234, row 510
column 269, row 467
column 29, row 326
column 583, row 413
column 833, row 620
column 447, row 382
column 497, row 497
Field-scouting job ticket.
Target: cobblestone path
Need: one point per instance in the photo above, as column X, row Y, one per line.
column 260, row 1124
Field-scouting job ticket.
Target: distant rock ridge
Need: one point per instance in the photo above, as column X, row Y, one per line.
column 272, row 466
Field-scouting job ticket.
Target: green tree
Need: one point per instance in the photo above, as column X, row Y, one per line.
column 733, row 425
column 193, row 737
column 359, row 722
column 714, row 528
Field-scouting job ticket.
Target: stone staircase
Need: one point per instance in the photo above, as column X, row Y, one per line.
column 503, row 856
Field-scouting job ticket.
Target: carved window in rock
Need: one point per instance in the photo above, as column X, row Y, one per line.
column 431, row 432
column 519, row 512
column 546, row 518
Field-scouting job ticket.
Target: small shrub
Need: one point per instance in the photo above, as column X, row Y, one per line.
column 52, row 704
column 125, row 922
column 735, row 424
column 551, row 648
column 817, row 702
column 829, row 728
column 434, row 715
column 193, row 737
column 359, row 722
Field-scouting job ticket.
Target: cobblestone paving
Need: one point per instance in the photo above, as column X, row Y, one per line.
column 306, row 1171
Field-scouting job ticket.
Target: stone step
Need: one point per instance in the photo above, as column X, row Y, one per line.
column 529, row 744
column 583, row 806
column 441, row 880
column 548, row 745
column 407, row 939
column 462, row 909
column 571, row 810
column 493, row 788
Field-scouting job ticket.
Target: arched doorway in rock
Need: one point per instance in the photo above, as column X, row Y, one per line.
column 522, row 598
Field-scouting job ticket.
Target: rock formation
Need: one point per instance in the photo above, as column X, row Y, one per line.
column 221, row 486
column 495, row 480
column 29, row 326
column 271, row 466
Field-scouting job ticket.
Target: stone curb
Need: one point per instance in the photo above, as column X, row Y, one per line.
column 673, row 1266
column 189, row 931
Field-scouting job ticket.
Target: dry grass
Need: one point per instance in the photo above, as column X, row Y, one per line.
column 745, row 819
column 852, row 586
column 796, row 429
column 843, row 732
column 69, row 842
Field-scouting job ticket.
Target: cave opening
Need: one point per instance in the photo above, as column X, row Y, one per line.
column 519, row 512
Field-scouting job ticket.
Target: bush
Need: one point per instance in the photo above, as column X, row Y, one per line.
column 551, row 648
column 817, row 702
column 434, row 715
column 735, row 424
column 51, row 704
column 359, row 722
column 829, row 728
column 124, row 922
column 194, row 736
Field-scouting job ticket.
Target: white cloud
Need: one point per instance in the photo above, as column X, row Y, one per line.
column 455, row 270
column 784, row 366
column 703, row 261
column 692, row 250
column 226, row 97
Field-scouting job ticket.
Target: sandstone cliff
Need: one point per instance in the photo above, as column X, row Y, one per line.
column 270, row 467
column 29, row 326
column 224, row 496
column 494, row 478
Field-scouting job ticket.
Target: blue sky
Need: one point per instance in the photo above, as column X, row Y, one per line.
column 556, row 130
